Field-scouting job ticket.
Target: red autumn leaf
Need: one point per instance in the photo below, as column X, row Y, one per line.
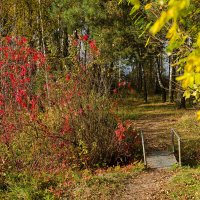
column 92, row 44
column 2, row 112
column 85, row 37
column 23, row 40
column 8, row 39
column 115, row 91
column 81, row 111
column 1, row 103
column 36, row 57
column 23, row 71
column 75, row 43
column 1, row 63
column 67, row 78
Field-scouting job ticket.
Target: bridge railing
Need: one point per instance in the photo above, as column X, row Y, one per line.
column 143, row 148
column 173, row 134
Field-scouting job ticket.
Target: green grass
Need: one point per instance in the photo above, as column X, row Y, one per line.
column 184, row 185
column 189, row 126
column 131, row 108
column 24, row 186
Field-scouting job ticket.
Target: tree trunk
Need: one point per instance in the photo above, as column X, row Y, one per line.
column 157, row 86
column 180, row 101
column 43, row 48
column 160, row 81
column 172, row 74
column 145, row 86
column 139, row 78
column 65, row 42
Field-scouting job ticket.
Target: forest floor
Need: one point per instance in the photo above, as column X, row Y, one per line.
column 156, row 120
column 148, row 185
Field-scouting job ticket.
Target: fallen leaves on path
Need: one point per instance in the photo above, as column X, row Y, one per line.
column 149, row 185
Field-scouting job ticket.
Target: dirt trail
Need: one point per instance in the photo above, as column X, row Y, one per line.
column 150, row 184
column 156, row 127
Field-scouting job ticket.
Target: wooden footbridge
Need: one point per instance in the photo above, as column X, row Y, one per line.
column 158, row 159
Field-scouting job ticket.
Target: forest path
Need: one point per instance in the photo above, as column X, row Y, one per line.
column 148, row 185
column 156, row 124
column 155, row 120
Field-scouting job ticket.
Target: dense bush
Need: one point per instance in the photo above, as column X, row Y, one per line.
column 53, row 121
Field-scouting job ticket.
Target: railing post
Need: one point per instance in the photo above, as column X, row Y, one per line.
column 172, row 135
column 143, row 148
column 179, row 145
column 179, row 151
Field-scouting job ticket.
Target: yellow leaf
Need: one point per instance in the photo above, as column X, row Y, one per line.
column 134, row 2
column 172, row 31
column 180, row 78
column 198, row 115
column 136, row 5
column 147, row 42
column 186, row 94
column 159, row 23
column 148, row 6
column 197, row 78
column 198, row 40
column 184, row 4
column 189, row 68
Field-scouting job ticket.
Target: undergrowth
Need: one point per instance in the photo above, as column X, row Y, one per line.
column 71, row 184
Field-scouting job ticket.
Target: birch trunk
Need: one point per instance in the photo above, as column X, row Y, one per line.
column 44, row 49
